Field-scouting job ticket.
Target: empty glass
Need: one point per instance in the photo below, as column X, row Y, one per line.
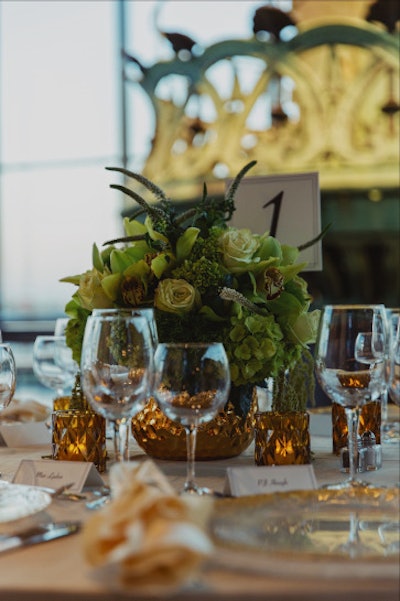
column 7, row 376
column 394, row 368
column 116, row 369
column 391, row 424
column 191, row 384
column 53, row 364
column 350, row 363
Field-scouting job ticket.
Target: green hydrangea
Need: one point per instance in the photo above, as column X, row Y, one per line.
column 202, row 274
column 254, row 342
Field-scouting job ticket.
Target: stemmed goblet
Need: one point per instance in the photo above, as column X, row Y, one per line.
column 60, row 326
column 394, row 368
column 191, row 384
column 116, row 369
column 391, row 426
column 7, row 376
column 350, row 364
column 53, row 364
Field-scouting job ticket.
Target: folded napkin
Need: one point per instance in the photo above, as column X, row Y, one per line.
column 25, row 411
column 149, row 533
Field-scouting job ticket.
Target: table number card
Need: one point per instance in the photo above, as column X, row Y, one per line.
column 52, row 474
column 242, row 481
column 288, row 206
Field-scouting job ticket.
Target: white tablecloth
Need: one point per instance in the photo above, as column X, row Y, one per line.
column 57, row 571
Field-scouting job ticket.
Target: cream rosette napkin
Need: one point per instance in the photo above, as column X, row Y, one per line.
column 25, row 411
column 149, row 533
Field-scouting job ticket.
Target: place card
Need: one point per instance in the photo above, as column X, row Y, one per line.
column 49, row 473
column 287, row 205
column 27, row 434
column 243, row 481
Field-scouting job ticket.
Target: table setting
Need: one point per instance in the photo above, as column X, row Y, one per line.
column 174, row 466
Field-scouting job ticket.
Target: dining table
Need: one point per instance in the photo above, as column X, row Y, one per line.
column 58, row 570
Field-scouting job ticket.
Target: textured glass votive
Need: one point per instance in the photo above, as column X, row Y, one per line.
column 79, row 436
column 282, row 438
column 370, row 421
column 62, row 403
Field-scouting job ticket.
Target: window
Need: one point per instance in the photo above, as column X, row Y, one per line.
column 59, row 128
column 61, row 125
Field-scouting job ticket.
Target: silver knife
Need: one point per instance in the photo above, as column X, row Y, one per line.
column 38, row 534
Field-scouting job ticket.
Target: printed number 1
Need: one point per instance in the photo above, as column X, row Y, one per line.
column 276, row 201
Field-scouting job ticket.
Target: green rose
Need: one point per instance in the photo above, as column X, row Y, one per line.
column 238, row 249
column 90, row 292
column 176, row 296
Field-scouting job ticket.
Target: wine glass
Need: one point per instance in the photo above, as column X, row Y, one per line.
column 60, row 326
column 116, row 369
column 191, row 384
column 7, row 376
column 350, row 364
column 394, row 368
column 391, row 427
column 53, row 364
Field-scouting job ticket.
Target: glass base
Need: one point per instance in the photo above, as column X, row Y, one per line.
column 391, row 433
column 353, row 549
column 193, row 489
column 351, row 485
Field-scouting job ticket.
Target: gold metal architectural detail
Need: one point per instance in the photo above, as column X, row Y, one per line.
column 326, row 100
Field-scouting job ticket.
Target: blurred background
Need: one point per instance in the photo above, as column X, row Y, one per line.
column 186, row 92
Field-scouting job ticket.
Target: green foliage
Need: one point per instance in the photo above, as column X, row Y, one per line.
column 207, row 281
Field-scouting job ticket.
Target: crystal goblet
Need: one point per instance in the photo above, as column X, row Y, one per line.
column 116, row 369
column 191, row 384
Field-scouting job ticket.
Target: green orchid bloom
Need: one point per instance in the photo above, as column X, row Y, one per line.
column 186, row 242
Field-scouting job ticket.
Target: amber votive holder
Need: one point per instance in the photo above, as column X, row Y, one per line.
column 79, row 436
column 62, row 403
column 370, row 421
column 282, row 438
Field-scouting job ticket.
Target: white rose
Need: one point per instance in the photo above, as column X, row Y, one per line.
column 238, row 249
column 176, row 296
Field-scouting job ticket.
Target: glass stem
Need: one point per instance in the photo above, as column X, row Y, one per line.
column 191, row 435
column 384, row 409
column 353, row 418
column 121, row 439
column 353, row 541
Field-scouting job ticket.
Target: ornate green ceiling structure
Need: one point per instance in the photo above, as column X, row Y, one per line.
column 326, row 100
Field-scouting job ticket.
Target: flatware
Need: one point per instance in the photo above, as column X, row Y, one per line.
column 38, row 534
column 99, row 502
column 62, row 492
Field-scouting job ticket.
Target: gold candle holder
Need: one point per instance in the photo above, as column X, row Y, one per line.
column 370, row 420
column 62, row 403
column 282, row 438
column 79, row 436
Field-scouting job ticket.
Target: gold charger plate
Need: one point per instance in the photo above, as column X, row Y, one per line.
column 302, row 531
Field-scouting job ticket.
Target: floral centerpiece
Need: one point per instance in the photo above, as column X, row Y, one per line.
column 206, row 281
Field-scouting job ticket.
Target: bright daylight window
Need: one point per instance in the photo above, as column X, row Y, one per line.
column 60, row 125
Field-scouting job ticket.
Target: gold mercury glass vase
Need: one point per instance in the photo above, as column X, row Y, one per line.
column 227, row 435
